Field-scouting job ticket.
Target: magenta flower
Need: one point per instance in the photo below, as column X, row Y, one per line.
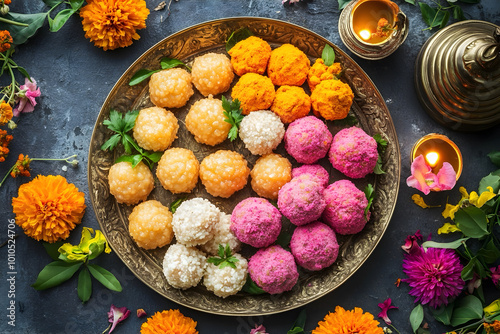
column 26, row 97
column 411, row 243
column 116, row 315
column 386, row 306
column 495, row 275
column 433, row 275
column 258, row 330
column 423, row 179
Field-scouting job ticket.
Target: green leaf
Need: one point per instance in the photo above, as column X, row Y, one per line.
column 176, row 203
column 416, row 317
column 53, row 249
column 431, row 16
column 468, row 271
column 466, row 309
column 350, row 120
column 140, row 76
column 225, row 258
column 284, row 239
column 458, row 13
column 443, row 313
column 23, row 72
column 153, row 156
column 472, row 222
column 470, row 1
column 450, row 245
column 489, row 253
column 76, row 4
column 167, row 63
column 111, row 142
column 299, row 323
column 490, row 180
column 251, row 287
column 84, row 285
column 495, row 158
column 328, row 55
column 133, row 159
column 105, row 277
column 54, row 274
column 411, row 2
column 343, row 3
column 237, row 36
column 52, row 3
column 60, row 19
column 370, row 196
column 21, row 34
column 445, row 19
column 129, row 120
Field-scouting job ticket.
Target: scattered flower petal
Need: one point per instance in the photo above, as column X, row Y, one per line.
column 411, row 243
column 446, row 177
column 448, row 228
column 260, row 329
column 116, row 315
column 419, row 200
column 398, row 282
column 141, row 313
column 386, row 306
column 474, row 283
column 479, row 201
column 495, row 276
column 493, row 308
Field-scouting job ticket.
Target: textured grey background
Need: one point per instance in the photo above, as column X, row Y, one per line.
column 75, row 78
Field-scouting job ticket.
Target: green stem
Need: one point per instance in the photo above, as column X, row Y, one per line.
column 6, row 175
column 13, row 22
column 395, row 328
column 12, row 91
column 67, row 159
column 469, row 326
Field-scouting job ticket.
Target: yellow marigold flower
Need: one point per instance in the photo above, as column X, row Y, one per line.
column 171, row 321
column 48, row 208
column 5, row 39
column 112, row 24
column 348, row 322
column 448, row 228
column 5, row 110
column 492, row 328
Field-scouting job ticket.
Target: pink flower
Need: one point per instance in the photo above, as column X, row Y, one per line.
column 26, row 97
column 423, row 179
column 433, row 275
column 495, row 275
column 258, row 330
column 386, row 306
column 411, row 244
column 116, row 315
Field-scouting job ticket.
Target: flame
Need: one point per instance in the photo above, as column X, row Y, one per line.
column 432, row 158
column 365, row 34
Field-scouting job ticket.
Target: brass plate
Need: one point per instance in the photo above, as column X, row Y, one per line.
column 373, row 116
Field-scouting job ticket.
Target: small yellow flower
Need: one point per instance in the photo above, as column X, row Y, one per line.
column 448, row 228
column 479, row 201
column 5, row 113
column 89, row 248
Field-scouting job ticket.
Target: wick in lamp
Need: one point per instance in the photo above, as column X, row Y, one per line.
column 437, row 149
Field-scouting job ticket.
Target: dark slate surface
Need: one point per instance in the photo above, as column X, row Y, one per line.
column 75, row 78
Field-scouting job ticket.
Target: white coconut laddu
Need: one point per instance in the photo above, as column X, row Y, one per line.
column 184, row 266
column 227, row 281
column 261, row 131
column 194, row 221
column 222, row 236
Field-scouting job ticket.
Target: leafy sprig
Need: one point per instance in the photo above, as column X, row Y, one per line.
column 121, row 125
column 232, row 111
column 370, row 196
column 381, row 147
column 175, row 204
column 225, row 258
column 165, row 63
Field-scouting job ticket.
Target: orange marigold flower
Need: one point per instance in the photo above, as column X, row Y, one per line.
column 348, row 322
column 171, row 321
column 5, row 38
column 4, row 143
column 48, row 208
column 5, row 111
column 7, row 2
column 112, row 24
column 22, row 166
column 492, row 328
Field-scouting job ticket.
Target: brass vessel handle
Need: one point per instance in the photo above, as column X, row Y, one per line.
column 490, row 53
column 482, row 56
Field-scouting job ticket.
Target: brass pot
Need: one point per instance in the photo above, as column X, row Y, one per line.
column 457, row 75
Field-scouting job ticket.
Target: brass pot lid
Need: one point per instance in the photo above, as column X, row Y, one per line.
column 457, row 75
